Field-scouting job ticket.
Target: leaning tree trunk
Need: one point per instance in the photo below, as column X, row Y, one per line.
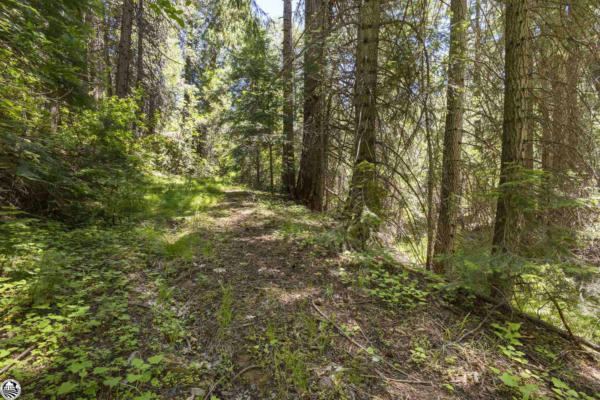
column 289, row 174
column 311, row 176
column 450, row 192
column 507, row 225
column 125, row 49
column 364, row 190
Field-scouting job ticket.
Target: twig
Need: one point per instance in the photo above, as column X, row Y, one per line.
column 360, row 346
column 217, row 383
column 564, row 321
column 478, row 327
column 534, row 320
column 23, row 354
column 382, row 376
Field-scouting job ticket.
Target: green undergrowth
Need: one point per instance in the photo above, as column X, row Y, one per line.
column 514, row 365
column 75, row 297
column 101, row 308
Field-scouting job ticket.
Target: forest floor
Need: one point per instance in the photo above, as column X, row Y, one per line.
column 210, row 291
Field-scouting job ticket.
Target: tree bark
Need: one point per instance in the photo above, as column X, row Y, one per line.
column 106, row 49
column 125, row 49
column 257, row 164
column 140, row 50
column 288, row 174
column 451, row 182
column 425, row 88
column 311, row 176
column 271, row 167
column 364, row 190
column 575, row 20
column 506, row 229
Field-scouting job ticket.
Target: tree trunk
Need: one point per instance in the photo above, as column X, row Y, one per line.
column 506, row 229
column 257, row 164
column 451, row 182
column 152, row 108
column 288, row 174
column 477, row 66
column 271, row 166
column 364, row 190
column 576, row 21
column 311, row 177
column 94, row 58
column 106, row 49
column 140, row 67
column 528, row 155
column 140, row 50
column 425, row 84
column 125, row 49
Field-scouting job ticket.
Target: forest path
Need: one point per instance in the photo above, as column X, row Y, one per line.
column 203, row 289
column 268, row 316
column 280, row 313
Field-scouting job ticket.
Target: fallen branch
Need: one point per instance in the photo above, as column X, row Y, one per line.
column 217, row 383
column 546, row 325
column 354, row 342
column 507, row 308
column 478, row 327
column 14, row 361
column 562, row 318
column 409, row 381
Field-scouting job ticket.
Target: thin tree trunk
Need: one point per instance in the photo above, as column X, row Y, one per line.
column 140, row 50
column 528, row 155
column 140, row 66
column 106, row 49
column 430, row 179
column 573, row 123
column 364, row 190
column 507, row 229
column 311, row 176
column 426, row 88
column 257, row 162
column 476, row 66
column 95, row 57
column 545, row 111
column 451, row 182
column 288, row 170
column 271, row 166
column 152, row 108
column 125, row 49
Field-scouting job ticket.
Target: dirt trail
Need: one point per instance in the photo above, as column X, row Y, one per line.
column 270, row 316
column 212, row 292
column 276, row 337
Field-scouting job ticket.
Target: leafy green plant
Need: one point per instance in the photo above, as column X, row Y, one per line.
column 510, row 334
column 396, row 290
column 225, row 312
column 418, row 355
column 527, row 390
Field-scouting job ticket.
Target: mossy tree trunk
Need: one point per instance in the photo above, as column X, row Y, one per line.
column 363, row 204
